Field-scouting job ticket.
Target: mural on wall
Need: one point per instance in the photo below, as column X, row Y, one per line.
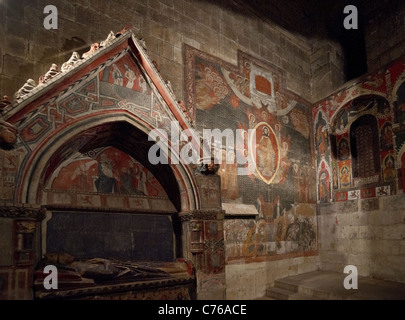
column 343, row 149
column 386, row 136
column 381, row 96
column 400, row 106
column 388, row 168
column 290, row 233
column 117, row 83
column 324, row 184
column 344, row 174
column 280, row 179
column 125, row 74
column 106, row 170
column 321, row 134
column 9, row 165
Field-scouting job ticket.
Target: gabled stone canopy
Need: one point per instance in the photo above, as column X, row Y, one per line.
column 56, row 76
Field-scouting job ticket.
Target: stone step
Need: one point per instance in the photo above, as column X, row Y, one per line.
column 307, row 288
column 282, row 284
column 300, row 289
column 283, row 294
column 328, row 285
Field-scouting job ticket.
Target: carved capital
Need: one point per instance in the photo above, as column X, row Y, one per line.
column 202, row 215
column 8, row 135
column 4, row 102
column 22, row 212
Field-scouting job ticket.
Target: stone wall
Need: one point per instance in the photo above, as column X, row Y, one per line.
column 326, row 68
column 27, row 49
column 384, row 33
column 368, row 233
column 361, row 213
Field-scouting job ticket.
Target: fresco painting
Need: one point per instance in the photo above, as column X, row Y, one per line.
column 388, row 168
column 324, row 185
column 125, row 73
column 345, row 174
column 107, row 171
column 374, row 97
column 386, row 136
column 266, row 160
column 252, row 96
column 400, row 106
column 321, row 136
column 343, row 149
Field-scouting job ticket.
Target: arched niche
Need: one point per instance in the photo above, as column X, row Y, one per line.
column 89, row 140
column 362, row 125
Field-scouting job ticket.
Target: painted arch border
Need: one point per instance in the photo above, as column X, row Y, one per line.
column 28, row 188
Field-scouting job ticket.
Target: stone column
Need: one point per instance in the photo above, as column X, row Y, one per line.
column 18, row 250
column 203, row 239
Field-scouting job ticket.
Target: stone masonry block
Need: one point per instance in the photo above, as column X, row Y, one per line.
column 361, row 246
column 88, row 16
column 18, row 67
column 166, row 50
column 16, row 46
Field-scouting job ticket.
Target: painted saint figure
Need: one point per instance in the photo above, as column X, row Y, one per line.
column 324, row 187
column 389, row 170
column 321, row 135
column 130, row 75
column 345, row 176
column 106, row 182
column 117, row 75
column 344, row 150
column 335, row 179
column 127, row 186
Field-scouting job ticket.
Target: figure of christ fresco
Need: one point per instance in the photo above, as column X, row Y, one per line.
column 266, row 151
